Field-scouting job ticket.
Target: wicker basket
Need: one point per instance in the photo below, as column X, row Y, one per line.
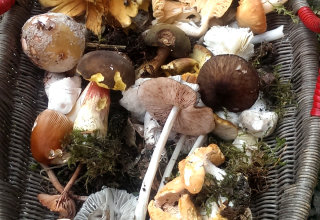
column 22, row 97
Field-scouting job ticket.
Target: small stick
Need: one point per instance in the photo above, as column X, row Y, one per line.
column 105, row 46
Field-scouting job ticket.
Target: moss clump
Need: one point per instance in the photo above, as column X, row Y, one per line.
column 262, row 160
column 279, row 93
column 100, row 155
column 282, row 10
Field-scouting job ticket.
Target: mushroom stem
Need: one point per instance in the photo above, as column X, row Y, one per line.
column 172, row 161
column 66, row 189
column 53, row 179
column 141, row 208
column 198, row 143
column 214, row 170
column 192, row 29
column 151, row 67
column 268, row 36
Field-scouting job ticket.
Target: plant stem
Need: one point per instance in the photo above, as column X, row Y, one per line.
column 141, row 208
column 53, row 179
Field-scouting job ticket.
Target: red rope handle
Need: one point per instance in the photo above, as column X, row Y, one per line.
column 309, row 19
column 315, row 111
column 5, row 5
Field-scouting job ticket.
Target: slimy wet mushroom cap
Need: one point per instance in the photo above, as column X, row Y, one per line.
column 109, row 69
column 228, row 81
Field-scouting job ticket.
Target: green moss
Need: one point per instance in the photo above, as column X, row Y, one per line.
column 282, row 10
column 279, row 93
column 100, row 155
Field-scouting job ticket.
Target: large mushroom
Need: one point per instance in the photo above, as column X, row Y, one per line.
column 228, row 81
column 170, row 40
column 173, row 103
column 109, row 69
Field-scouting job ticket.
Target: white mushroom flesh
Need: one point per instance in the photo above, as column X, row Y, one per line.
column 227, row 40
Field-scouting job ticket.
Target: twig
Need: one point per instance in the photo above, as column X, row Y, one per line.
column 105, row 46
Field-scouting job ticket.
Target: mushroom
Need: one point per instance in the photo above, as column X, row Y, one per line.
column 166, row 11
column 246, row 143
column 49, row 129
column 203, row 160
column 173, row 103
column 250, row 13
column 67, row 209
column 131, row 102
column 228, row 81
column 180, row 66
column 228, row 40
column 185, row 209
column 62, row 93
column 224, row 129
column 200, row 54
column 109, row 69
column 53, row 41
column 170, row 40
column 93, row 114
column 108, row 203
column 207, row 9
column 258, row 123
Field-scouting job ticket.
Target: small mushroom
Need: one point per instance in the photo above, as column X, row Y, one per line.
column 250, row 13
column 228, row 81
column 66, row 209
column 224, row 129
column 246, row 143
column 170, row 40
column 207, row 9
column 228, row 40
column 180, row 66
column 258, row 123
column 53, row 41
column 62, row 93
column 49, row 129
column 108, row 203
column 200, row 54
column 109, row 69
column 166, row 11
column 203, row 160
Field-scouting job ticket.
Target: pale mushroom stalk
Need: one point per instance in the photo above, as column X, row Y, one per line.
column 268, row 36
column 172, row 161
column 141, row 208
column 215, row 171
column 198, row 143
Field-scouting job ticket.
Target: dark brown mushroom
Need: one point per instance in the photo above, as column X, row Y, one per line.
column 170, row 40
column 109, row 69
column 228, row 81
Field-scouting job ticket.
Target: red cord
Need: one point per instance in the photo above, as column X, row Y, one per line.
column 315, row 111
column 309, row 19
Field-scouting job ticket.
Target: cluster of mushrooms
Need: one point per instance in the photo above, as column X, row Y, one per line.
column 187, row 90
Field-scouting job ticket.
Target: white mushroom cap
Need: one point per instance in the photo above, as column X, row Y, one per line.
column 62, row 92
column 228, row 40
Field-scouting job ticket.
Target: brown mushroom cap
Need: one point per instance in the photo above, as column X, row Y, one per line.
column 250, row 13
column 159, row 95
column 170, row 36
column 228, row 81
column 109, row 69
column 224, row 129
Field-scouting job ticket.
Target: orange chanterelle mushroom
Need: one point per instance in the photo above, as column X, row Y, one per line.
column 94, row 11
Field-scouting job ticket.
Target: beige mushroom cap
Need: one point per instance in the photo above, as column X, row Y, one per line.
column 192, row 168
column 187, row 208
column 171, row 192
column 156, row 213
column 250, row 13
